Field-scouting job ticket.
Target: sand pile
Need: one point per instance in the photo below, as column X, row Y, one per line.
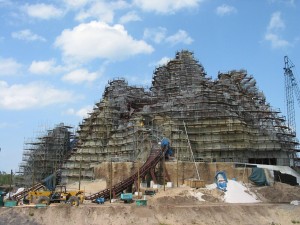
column 238, row 193
column 279, row 192
column 89, row 187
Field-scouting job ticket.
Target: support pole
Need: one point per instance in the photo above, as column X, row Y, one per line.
column 164, row 172
column 177, row 169
column 80, row 167
column 138, row 187
column 110, row 178
column 11, row 180
column 191, row 150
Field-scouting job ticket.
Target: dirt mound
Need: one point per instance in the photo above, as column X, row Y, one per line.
column 111, row 214
column 11, row 216
column 176, row 206
column 89, row 187
column 177, row 200
column 213, row 195
column 278, row 193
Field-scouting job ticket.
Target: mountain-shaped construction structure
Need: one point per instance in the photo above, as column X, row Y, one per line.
column 222, row 120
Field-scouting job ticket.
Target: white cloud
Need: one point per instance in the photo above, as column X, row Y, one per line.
column 155, row 34
column 180, row 37
column 100, row 10
column 44, row 67
column 129, row 17
column 83, row 112
column 42, row 11
column 20, row 96
column 94, row 40
column 273, row 33
column 27, row 35
column 166, row 6
column 80, row 76
column 103, row 11
column 276, row 41
column 163, row 61
column 76, row 3
column 276, row 23
column 159, row 35
column 9, row 66
column 224, row 9
column 288, row 2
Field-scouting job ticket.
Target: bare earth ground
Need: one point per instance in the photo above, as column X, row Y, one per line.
column 175, row 206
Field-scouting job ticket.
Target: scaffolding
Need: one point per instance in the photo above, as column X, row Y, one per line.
column 227, row 119
column 45, row 155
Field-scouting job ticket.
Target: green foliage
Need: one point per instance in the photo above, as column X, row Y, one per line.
column 295, row 221
column 4, row 179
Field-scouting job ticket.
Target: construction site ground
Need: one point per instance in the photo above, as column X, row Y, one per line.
column 174, row 206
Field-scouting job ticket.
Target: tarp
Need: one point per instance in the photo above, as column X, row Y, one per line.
column 221, row 180
column 49, row 181
column 258, row 176
column 285, row 178
column 165, row 143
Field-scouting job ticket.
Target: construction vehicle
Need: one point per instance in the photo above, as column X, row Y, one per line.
column 59, row 195
column 48, row 192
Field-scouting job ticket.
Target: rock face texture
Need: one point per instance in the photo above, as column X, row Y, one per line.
column 222, row 120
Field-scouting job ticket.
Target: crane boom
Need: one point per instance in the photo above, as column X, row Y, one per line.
column 291, row 86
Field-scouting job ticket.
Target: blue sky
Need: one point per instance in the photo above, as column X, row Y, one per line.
column 56, row 56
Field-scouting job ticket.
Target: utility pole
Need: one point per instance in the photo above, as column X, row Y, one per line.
column 11, row 180
column 138, row 187
column 164, row 176
column 177, row 167
column 80, row 167
column 110, row 175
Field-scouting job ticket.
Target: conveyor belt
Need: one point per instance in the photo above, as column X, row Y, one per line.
column 48, row 182
column 22, row 194
column 154, row 157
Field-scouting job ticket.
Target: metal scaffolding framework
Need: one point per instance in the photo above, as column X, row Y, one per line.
column 227, row 120
column 45, row 155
